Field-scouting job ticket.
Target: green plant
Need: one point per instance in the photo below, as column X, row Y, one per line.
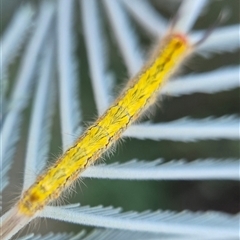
column 166, row 136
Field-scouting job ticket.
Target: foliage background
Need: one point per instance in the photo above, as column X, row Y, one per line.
column 141, row 195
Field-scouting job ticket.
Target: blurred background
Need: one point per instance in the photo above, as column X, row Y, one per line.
column 221, row 196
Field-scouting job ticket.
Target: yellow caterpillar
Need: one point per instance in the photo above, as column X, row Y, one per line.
column 138, row 95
